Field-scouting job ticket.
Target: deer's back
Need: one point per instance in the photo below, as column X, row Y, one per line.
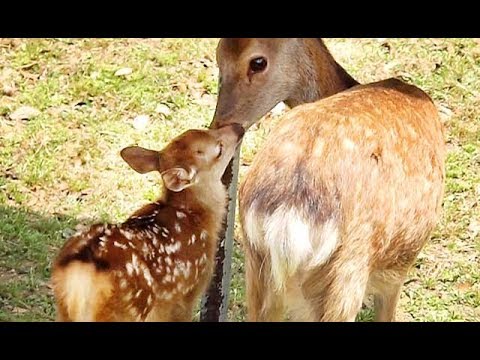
column 370, row 159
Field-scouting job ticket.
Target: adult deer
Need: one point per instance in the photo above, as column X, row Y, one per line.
column 347, row 188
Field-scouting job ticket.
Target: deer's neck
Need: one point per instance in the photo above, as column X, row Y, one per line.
column 320, row 75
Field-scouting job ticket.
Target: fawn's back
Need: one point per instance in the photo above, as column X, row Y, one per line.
column 154, row 260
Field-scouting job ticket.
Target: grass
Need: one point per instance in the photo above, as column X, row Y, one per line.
column 62, row 169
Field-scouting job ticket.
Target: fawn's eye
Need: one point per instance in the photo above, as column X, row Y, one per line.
column 199, row 152
column 257, row 65
column 219, row 149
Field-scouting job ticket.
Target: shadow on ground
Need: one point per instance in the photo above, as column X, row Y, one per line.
column 28, row 243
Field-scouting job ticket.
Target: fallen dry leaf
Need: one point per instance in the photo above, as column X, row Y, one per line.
column 8, row 90
column 27, row 66
column 67, row 233
column 28, row 75
column 81, row 227
column 5, row 42
column 474, row 227
column 123, row 71
column 445, row 112
column 17, row 310
column 24, row 113
column 163, row 109
column 95, row 75
column 206, row 100
column 141, row 122
column 181, row 87
column 463, row 286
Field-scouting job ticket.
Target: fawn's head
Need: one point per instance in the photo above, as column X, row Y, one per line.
column 194, row 157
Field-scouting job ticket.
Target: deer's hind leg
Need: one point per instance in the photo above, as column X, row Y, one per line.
column 335, row 291
column 264, row 303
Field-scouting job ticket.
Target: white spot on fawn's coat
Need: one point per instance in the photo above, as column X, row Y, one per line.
column 135, row 264
column 146, row 274
column 129, row 268
column 121, row 246
column 178, row 229
column 103, row 241
column 184, row 267
column 170, row 249
column 167, row 296
column 127, row 234
column 123, row 284
column 145, row 249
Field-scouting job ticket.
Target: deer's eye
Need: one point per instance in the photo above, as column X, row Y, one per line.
column 257, row 65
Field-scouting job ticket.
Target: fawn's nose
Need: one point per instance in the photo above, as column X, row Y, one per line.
column 232, row 133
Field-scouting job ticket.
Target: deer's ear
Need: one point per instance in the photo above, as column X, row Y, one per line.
column 177, row 178
column 141, row 160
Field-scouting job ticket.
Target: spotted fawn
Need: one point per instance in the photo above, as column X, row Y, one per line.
column 155, row 265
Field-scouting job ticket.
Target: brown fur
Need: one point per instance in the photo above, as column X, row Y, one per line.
column 154, row 266
column 292, row 77
column 345, row 192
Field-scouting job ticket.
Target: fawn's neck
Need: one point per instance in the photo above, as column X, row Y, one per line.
column 320, row 75
column 207, row 198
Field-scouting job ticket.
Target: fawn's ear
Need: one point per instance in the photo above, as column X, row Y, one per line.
column 177, row 178
column 141, row 160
